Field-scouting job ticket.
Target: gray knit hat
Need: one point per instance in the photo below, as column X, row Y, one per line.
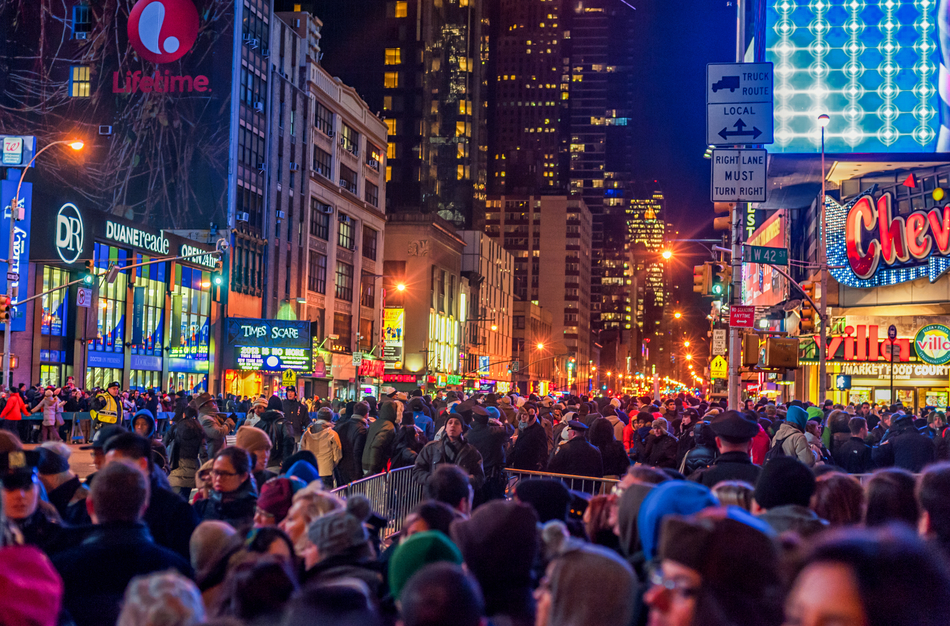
column 337, row 532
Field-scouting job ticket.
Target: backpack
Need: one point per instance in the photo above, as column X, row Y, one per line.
column 777, row 451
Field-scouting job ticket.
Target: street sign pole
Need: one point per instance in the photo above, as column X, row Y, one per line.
column 735, row 336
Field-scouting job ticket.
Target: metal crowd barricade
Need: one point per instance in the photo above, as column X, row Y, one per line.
column 584, row 484
column 392, row 494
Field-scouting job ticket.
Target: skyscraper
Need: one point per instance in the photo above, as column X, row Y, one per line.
column 419, row 64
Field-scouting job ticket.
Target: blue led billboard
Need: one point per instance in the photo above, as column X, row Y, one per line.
column 872, row 65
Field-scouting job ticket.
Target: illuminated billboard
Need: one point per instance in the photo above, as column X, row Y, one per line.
column 269, row 345
column 761, row 284
column 394, row 325
column 146, row 84
column 872, row 66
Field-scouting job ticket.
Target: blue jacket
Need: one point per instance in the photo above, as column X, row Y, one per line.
column 424, row 422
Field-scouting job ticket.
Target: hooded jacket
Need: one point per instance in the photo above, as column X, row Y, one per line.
column 352, row 433
column 183, row 441
column 379, row 439
column 51, row 407
column 324, row 442
column 159, row 451
column 236, row 508
column 791, row 437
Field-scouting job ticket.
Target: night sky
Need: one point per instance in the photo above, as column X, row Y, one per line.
column 675, row 40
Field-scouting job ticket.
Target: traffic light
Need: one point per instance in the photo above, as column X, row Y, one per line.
column 6, row 305
column 90, row 276
column 718, row 281
column 701, row 276
column 724, row 222
column 217, row 277
column 807, row 324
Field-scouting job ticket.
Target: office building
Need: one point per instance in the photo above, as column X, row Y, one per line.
column 550, row 240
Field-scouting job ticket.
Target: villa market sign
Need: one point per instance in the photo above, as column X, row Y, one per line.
column 932, row 343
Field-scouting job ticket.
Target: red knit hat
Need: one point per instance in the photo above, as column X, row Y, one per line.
column 31, row 591
column 277, row 495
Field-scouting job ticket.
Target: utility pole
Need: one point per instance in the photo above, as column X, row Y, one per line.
column 823, row 256
column 735, row 339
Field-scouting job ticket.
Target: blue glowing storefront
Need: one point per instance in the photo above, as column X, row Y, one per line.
column 149, row 328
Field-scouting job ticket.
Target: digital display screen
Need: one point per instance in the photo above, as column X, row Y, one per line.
column 273, row 359
column 872, row 66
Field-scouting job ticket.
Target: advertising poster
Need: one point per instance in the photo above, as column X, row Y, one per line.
column 269, row 345
column 145, row 83
column 21, row 244
column 394, row 324
column 761, row 284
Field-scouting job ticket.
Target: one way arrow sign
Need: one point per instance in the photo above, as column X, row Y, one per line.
column 739, row 104
column 739, row 131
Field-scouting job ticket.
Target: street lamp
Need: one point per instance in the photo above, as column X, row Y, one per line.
column 400, row 287
column 667, row 255
column 686, row 344
column 540, row 346
column 689, row 357
column 677, row 315
column 75, row 144
column 823, row 121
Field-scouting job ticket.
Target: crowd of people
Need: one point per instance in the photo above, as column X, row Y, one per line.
column 688, row 513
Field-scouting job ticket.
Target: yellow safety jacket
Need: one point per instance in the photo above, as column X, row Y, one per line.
column 110, row 412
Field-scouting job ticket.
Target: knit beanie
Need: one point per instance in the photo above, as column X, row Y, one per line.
column 258, row 403
column 31, row 590
column 784, row 480
column 160, row 599
column 252, row 439
column 304, row 470
column 493, row 413
column 277, row 495
column 53, row 459
column 674, row 497
column 499, row 543
column 815, row 413
column 416, row 552
column 336, row 532
column 797, row 415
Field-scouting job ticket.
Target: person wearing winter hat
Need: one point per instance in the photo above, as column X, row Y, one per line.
column 31, row 590
column 733, row 439
column 500, row 544
column 720, row 562
column 340, row 547
column 352, row 430
column 791, row 437
column 674, row 497
column 782, row 496
column 275, row 500
column 586, row 585
column 451, row 449
column 309, row 503
column 320, row 438
column 416, row 552
column 64, row 490
column 256, row 442
column 163, row 598
column 35, row 521
column 549, row 497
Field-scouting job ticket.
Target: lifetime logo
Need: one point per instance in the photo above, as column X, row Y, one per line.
column 163, row 31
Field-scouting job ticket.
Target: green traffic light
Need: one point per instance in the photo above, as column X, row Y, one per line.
column 717, row 289
column 217, row 280
column 87, row 279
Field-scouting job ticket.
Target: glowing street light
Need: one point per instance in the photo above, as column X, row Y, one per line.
column 667, row 255
column 686, row 343
column 76, row 144
column 689, row 357
column 400, row 287
column 677, row 315
column 540, row 346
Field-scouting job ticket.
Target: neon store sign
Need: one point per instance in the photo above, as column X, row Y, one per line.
column 874, row 247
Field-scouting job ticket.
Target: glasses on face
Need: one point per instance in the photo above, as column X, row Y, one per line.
column 223, row 474
column 259, row 511
column 678, row 587
column 617, row 490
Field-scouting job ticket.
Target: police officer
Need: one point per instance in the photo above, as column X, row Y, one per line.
column 577, row 456
column 106, row 407
column 734, row 433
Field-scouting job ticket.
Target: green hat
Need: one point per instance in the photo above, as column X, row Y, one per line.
column 815, row 412
column 415, row 553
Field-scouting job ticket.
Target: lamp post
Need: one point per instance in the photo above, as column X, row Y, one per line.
column 823, row 120
column 75, row 144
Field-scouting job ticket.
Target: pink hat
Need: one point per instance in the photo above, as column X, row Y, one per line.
column 31, row 591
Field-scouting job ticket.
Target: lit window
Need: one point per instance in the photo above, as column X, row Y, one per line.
column 79, row 82
column 391, row 126
column 387, row 103
column 389, row 173
column 402, row 8
column 391, row 80
column 391, row 150
column 393, row 56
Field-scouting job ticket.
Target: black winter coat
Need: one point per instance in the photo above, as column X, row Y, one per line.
column 530, row 451
column 352, row 432
column 577, row 458
column 297, row 416
column 170, row 519
column 906, row 448
column 237, row 508
column 698, row 458
column 727, row 466
column 854, row 456
column 490, row 440
column 660, row 451
column 96, row 572
column 280, row 430
column 615, row 459
column 444, row 451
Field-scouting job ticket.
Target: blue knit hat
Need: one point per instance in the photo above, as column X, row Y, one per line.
column 797, row 415
column 304, row 471
column 674, row 497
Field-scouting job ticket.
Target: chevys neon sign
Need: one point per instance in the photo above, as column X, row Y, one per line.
column 872, row 246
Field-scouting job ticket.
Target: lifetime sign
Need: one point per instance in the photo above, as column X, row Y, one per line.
column 739, row 104
column 739, row 176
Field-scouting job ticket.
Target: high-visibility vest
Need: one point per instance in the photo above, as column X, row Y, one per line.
column 109, row 414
